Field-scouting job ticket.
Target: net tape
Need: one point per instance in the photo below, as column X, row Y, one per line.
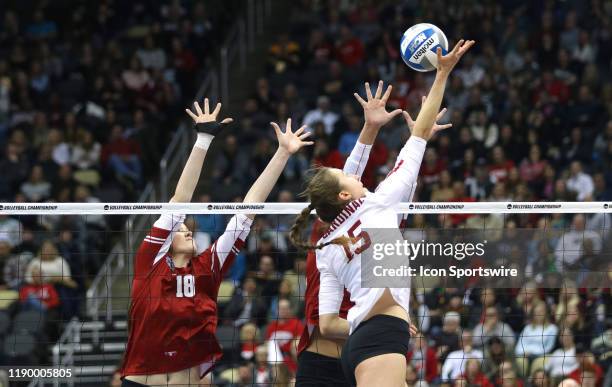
column 295, row 208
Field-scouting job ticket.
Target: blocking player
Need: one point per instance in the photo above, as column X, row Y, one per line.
column 173, row 314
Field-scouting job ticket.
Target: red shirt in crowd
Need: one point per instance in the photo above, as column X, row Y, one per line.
column 499, row 172
column 45, row 293
column 283, row 333
column 431, row 173
column 595, row 371
column 121, row 147
column 350, row 52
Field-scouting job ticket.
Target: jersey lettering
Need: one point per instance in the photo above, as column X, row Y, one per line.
column 185, row 285
column 363, row 236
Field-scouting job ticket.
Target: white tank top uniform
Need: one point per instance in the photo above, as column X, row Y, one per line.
column 342, row 269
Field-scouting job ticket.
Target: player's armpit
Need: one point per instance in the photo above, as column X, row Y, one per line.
column 157, row 242
column 231, row 241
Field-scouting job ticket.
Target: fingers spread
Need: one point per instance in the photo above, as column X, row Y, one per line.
column 359, row 99
column 379, row 89
column 197, row 108
column 217, row 109
column 191, row 114
column 227, row 121
column 407, row 117
column 387, row 94
column 304, row 135
column 206, row 107
column 368, row 91
column 466, row 47
column 423, row 98
column 395, row 113
column 441, row 114
column 276, row 129
column 300, row 130
column 457, row 46
column 288, row 127
column 445, row 126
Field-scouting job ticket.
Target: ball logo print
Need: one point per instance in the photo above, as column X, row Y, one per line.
column 419, row 44
column 509, row 206
column 210, row 207
column 106, row 206
column 411, row 206
column 417, row 41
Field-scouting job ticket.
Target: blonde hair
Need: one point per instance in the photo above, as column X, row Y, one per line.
column 289, row 283
column 522, row 295
column 568, row 295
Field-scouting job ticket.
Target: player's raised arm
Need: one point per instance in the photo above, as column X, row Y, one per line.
column 289, row 142
column 427, row 116
column 156, row 243
column 375, row 117
column 207, row 127
column 435, row 128
column 406, row 169
column 232, row 240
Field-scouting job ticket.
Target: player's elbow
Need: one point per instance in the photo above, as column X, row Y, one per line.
column 324, row 328
column 326, row 325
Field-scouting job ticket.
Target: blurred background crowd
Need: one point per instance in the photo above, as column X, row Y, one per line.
column 88, row 99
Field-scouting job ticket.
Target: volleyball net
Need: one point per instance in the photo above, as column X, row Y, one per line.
column 481, row 273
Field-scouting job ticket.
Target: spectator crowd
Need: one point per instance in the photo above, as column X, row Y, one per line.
column 90, row 93
column 87, row 99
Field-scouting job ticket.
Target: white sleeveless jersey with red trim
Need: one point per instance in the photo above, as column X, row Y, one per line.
column 355, row 165
column 340, row 268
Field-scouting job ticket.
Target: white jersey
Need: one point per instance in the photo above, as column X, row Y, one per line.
column 342, row 269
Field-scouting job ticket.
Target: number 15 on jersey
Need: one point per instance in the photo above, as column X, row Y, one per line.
column 362, row 237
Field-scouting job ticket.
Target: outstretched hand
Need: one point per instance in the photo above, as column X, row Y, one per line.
column 206, row 116
column 435, row 128
column 447, row 62
column 374, row 111
column 291, row 141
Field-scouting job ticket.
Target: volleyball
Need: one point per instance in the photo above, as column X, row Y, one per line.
column 419, row 44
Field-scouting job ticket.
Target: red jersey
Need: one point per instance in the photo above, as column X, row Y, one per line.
column 282, row 334
column 311, row 297
column 173, row 314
